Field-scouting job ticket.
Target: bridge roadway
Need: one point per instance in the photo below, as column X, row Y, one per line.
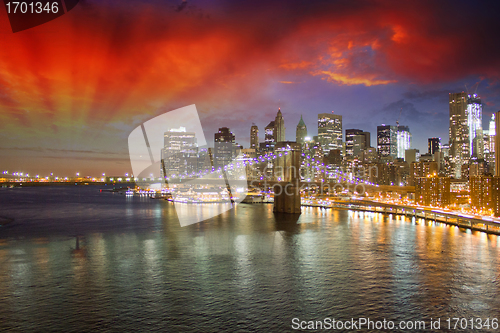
column 255, row 183
column 473, row 222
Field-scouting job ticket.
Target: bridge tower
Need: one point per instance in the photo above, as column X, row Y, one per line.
column 286, row 173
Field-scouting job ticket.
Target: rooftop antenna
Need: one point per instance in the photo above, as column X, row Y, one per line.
column 397, row 121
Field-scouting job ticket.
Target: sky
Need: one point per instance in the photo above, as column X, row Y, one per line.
column 73, row 89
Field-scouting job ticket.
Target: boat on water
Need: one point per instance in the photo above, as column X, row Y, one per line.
column 201, row 196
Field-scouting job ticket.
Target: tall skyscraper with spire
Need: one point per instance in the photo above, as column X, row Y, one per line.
column 279, row 127
column 301, row 132
column 254, row 137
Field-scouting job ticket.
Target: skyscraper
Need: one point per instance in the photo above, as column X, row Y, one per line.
column 387, row 141
column 254, row 137
column 179, row 151
column 330, row 131
column 434, row 145
column 475, row 125
column 349, row 140
column 269, row 140
column 356, row 141
column 403, row 140
column 492, row 148
column 279, row 127
column 301, row 132
column 223, row 147
column 497, row 145
column 459, row 132
column 269, row 133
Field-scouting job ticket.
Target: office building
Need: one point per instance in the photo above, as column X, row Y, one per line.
column 492, row 145
column 497, row 145
column 356, row 141
column 224, row 149
column 412, row 155
column 432, row 191
column 279, row 127
column 403, row 140
column 330, row 131
column 475, row 125
column 495, row 192
column 434, row 145
column 481, row 194
column 269, row 132
column 478, row 145
column 459, row 132
column 179, row 153
column 387, row 144
column 423, row 169
column 301, row 132
column 269, row 142
column 254, row 137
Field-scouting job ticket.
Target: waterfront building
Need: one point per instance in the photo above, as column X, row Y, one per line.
column 387, row 144
column 432, row 191
column 481, row 194
column 224, row 147
column 495, row 192
column 301, row 132
column 330, row 131
column 434, row 145
column 254, row 137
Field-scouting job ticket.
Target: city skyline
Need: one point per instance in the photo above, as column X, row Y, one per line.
column 400, row 138
column 374, row 62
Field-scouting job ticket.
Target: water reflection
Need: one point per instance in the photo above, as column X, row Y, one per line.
column 133, row 267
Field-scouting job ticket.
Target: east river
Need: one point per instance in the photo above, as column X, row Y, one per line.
column 77, row 260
